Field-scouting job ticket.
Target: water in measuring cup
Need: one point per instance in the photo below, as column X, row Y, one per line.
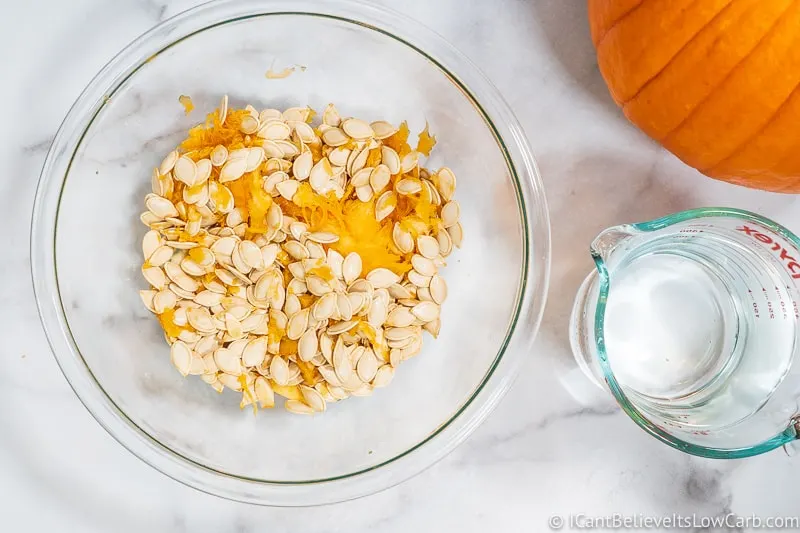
column 700, row 327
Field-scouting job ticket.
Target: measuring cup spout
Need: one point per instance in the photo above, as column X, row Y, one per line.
column 605, row 245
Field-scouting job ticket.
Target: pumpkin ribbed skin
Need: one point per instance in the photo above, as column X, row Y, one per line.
column 716, row 82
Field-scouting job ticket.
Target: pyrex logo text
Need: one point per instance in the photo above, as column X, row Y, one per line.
column 791, row 262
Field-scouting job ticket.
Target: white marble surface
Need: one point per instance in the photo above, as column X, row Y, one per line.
column 540, row 453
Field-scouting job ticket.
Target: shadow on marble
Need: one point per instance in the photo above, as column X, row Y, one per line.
column 565, row 25
column 588, row 194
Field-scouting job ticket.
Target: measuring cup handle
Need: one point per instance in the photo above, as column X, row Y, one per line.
column 792, row 448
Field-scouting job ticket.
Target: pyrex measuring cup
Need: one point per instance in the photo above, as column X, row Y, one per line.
column 692, row 323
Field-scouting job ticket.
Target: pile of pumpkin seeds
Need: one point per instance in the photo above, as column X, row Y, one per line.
column 281, row 311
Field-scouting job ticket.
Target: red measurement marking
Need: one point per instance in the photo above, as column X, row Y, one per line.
column 791, row 263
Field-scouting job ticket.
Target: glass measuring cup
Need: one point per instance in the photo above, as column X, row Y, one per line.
column 692, row 322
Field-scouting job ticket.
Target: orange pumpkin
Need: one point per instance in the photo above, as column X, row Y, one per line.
column 716, row 82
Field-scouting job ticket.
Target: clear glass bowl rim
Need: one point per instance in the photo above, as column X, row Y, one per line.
column 533, row 277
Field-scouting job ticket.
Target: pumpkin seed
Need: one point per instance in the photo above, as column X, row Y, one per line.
column 433, row 327
column 147, row 297
column 161, row 207
column 418, row 279
column 456, row 234
column 344, row 307
column 164, row 300
column 361, row 178
column 313, row 398
column 432, row 193
column 232, row 170
column 402, row 239
column 367, row 366
column 400, row 317
column 249, row 125
column 407, row 187
column 324, row 307
column 155, row 277
column 208, row 298
column 255, row 352
column 409, row 162
column 279, row 370
column 255, row 156
column 334, row 137
column 391, row 159
column 219, row 155
column 274, row 130
column 292, row 305
column 364, row 193
column 297, row 270
column 323, row 237
column 308, row 345
column 438, row 289
column 383, row 129
column 330, row 116
column 357, row 129
column 317, row 286
column 228, row 362
column 445, row 181
column 185, row 171
column 341, row 363
column 200, row 319
column 230, row 381
column 337, row 392
column 351, row 267
column 264, row 393
column 271, row 149
column 399, row 334
column 298, row 323
column 342, row 327
column 398, row 291
column 363, row 390
column 168, row 163
column 378, row 312
column 150, row 243
column 299, row 408
column 196, row 195
column 301, row 168
column 296, row 250
column 382, row 278
column 220, row 197
column 424, row 294
column 289, row 150
column 297, row 286
column 238, row 261
column 255, row 322
column 450, row 214
column 423, row 265
column 426, row 311
column 275, row 217
column 379, row 178
column 181, row 357
column 269, row 253
column 357, row 161
column 338, row 156
column 427, row 246
column 223, row 109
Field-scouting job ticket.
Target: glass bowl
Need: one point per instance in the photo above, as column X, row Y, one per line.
column 86, row 252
